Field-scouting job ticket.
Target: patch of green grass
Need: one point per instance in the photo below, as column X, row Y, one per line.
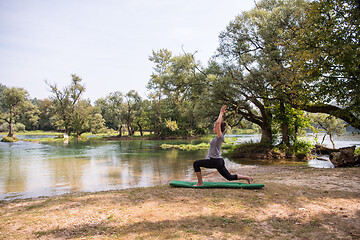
column 9, row 139
column 187, row 147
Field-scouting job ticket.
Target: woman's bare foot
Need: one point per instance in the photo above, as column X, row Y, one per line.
column 199, row 184
column 247, row 178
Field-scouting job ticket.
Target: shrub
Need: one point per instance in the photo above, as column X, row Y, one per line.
column 248, row 149
column 302, row 147
column 18, row 127
column 4, row 127
column 357, row 151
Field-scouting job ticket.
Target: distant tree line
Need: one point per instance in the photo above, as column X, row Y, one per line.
column 274, row 64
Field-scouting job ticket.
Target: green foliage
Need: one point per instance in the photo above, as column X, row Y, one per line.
column 331, row 125
column 229, row 143
column 71, row 113
column 29, row 117
column 112, row 109
column 119, row 110
column 328, row 123
column 66, row 105
column 172, row 125
column 176, row 88
column 357, row 151
column 45, row 117
column 187, row 147
column 133, row 104
column 273, row 60
column 258, row 76
column 247, row 149
column 302, row 147
column 13, row 101
column 326, row 46
column 97, row 124
column 297, row 121
column 17, row 127
column 80, row 120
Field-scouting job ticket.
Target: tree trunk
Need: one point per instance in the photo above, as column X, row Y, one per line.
column 345, row 157
column 129, row 131
column 323, row 139
column 266, row 134
column 11, row 129
column 129, row 127
column 120, row 130
column 284, row 125
column 320, row 149
column 331, row 140
column 140, row 128
column 263, row 121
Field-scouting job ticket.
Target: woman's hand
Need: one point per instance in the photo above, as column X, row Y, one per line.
column 217, row 127
column 223, row 109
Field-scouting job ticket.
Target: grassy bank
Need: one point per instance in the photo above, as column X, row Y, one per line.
column 111, row 135
column 296, row 203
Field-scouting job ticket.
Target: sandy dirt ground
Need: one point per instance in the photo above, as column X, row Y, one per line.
column 296, row 203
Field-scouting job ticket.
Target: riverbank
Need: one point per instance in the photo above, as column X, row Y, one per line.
column 296, row 203
column 89, row 137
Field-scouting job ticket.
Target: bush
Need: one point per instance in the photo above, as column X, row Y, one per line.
column 4, row 127
column 18, row 127
column 302, row 147
column 301, row 150
column 357, row 151
column 248, row 149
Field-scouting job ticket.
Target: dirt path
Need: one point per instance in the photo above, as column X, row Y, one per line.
column 296, row 203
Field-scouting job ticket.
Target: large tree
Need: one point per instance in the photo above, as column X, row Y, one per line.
column 133, row 106
column 65, row 102
column 257, row 67
column 46, row 112
column 113, row 110
column 177, row 86
column 30, row 116
column 12, row 102
column 158, row 79
column 326, row 46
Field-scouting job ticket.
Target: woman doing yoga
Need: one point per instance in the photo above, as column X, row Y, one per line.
column 214, row 159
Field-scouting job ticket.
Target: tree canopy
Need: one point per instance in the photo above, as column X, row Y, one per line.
column 273, row 62
column 326, row 46
column 12, row 101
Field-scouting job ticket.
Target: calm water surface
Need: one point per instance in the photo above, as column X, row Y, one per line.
column 36, row 169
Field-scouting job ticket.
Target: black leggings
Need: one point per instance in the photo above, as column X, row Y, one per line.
column 217, row 163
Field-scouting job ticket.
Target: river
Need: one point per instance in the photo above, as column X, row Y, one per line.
column 30, row 169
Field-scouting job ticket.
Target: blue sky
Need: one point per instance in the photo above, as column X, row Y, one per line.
column 105, row 42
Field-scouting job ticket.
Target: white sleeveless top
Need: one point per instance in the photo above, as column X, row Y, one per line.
column 215, row 147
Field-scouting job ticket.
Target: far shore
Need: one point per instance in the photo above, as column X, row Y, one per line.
column 115, row 135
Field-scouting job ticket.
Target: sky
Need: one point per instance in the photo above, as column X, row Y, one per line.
column 105, row 42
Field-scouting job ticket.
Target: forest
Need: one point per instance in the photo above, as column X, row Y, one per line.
column 282, row 67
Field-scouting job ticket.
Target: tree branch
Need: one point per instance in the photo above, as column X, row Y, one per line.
column 335, row 111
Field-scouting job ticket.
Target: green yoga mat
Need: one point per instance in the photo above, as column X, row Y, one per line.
column 185, row 184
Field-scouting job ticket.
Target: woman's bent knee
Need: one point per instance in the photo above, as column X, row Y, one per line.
column 196, row 166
